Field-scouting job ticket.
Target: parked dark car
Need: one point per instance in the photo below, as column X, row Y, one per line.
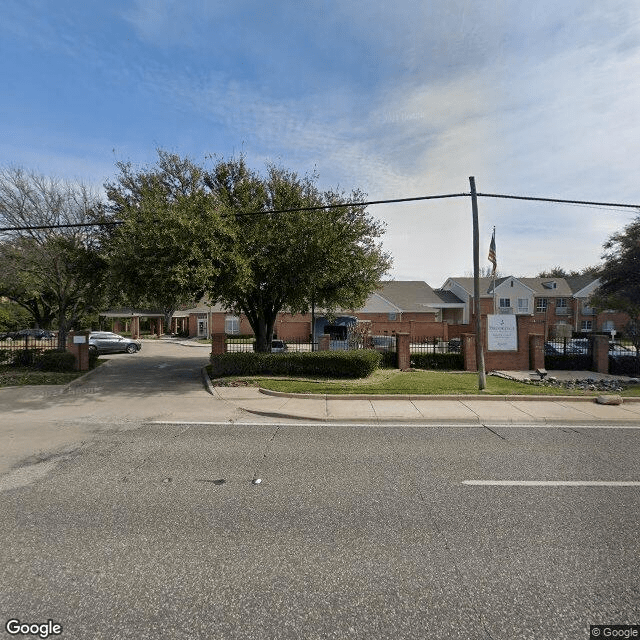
column 383, row 343
column 38, row 334
column 108, row 342
column 278, row 346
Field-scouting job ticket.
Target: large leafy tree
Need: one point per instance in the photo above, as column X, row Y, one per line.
column 173, row 243
column 330, row 257
column 620, row 277
column 56, row 271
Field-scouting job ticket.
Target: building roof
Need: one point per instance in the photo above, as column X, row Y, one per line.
column 548, row 287
column 542, row 287
column 415, row 295
column 578, row 283
column 485, row 285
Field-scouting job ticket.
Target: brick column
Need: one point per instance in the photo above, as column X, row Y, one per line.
column 135, row 327
column 601, row 354
column 218, row 345
column 403, row 351
column 469, row 351
column 536, row 351
column 324, row 342
column 79, row 349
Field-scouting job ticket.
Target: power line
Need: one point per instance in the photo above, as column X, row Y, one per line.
column 350, row 204
column 588, row 203
column 252, row 213
column 559, row 200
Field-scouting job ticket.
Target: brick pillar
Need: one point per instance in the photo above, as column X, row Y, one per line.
column 403, row 351
column 78, row 344
column 117, row 326
column 324, row 342
column 601, row 354
column 469, row 351
column 218, row 345
column 135, row 327
column 536, row 351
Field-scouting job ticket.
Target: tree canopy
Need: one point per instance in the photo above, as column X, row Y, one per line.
column 329, row 257
column 173, row 243
column 54, row 272
column 620, row 273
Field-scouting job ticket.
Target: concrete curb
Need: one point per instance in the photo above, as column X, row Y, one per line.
column 362, row 396
column 81, row 379
column 535, row 422
column 207, row 382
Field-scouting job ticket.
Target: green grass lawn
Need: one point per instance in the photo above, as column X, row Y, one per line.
column 19, row 376
column 388, row 381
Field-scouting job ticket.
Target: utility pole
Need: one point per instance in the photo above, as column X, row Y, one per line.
column 482, row 383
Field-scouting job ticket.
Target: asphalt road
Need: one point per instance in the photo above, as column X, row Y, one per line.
column 353, row 532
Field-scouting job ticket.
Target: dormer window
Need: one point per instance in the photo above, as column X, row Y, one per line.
column 550, row 285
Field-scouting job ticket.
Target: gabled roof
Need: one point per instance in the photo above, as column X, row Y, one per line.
column 414, row 295
column 542, row 287
column 485, row 285
column 578, row 283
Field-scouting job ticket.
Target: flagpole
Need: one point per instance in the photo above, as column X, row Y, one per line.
column 494, row 274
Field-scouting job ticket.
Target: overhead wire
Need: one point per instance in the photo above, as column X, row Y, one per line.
column 586, row 203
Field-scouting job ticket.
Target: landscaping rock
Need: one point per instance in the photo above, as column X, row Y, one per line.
column 609, row 400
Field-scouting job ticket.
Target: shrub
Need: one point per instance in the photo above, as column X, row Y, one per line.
column 333, row 364
column 25, row 357
column 624, row 366
column 569, row 362
column 5, row 356
column 55, row 360
column 93, row 358
column 442, row 361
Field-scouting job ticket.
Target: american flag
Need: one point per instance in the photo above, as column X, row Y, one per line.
column 492, row 253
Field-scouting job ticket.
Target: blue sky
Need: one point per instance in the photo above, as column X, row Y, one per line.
column 399, row 99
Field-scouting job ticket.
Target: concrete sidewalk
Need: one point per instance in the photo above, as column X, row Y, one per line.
column 539, row 410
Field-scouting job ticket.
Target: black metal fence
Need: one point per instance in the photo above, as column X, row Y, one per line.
column 12, row 348
column 569, row 354
column 624, row 360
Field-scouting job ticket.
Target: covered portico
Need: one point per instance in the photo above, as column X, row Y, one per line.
column 129, row 320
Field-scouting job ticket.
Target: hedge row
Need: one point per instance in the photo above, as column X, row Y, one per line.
column 44, row 360
column 334, row 364
column 624, row 366
column 442, row 361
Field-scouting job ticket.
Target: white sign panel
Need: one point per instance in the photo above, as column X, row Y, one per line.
column 502, row 333
column 79, row 339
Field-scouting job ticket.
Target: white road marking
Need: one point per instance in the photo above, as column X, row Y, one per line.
column 552, row 483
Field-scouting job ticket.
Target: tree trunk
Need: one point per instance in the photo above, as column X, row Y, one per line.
column 63, row 330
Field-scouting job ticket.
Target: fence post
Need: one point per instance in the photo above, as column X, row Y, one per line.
column 469, row 351
column 536, row 351
column 404, row 351
column 218, row 345
column 601, row 354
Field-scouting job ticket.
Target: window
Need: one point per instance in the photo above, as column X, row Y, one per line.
column 523, row 305
column 392, row 317
column 541, row 305
column 586, row 325
column 608, row 326
column 561, row 303
column 232, row 324
column 505, row 302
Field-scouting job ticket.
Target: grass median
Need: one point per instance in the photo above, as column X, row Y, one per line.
column 418, row 382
